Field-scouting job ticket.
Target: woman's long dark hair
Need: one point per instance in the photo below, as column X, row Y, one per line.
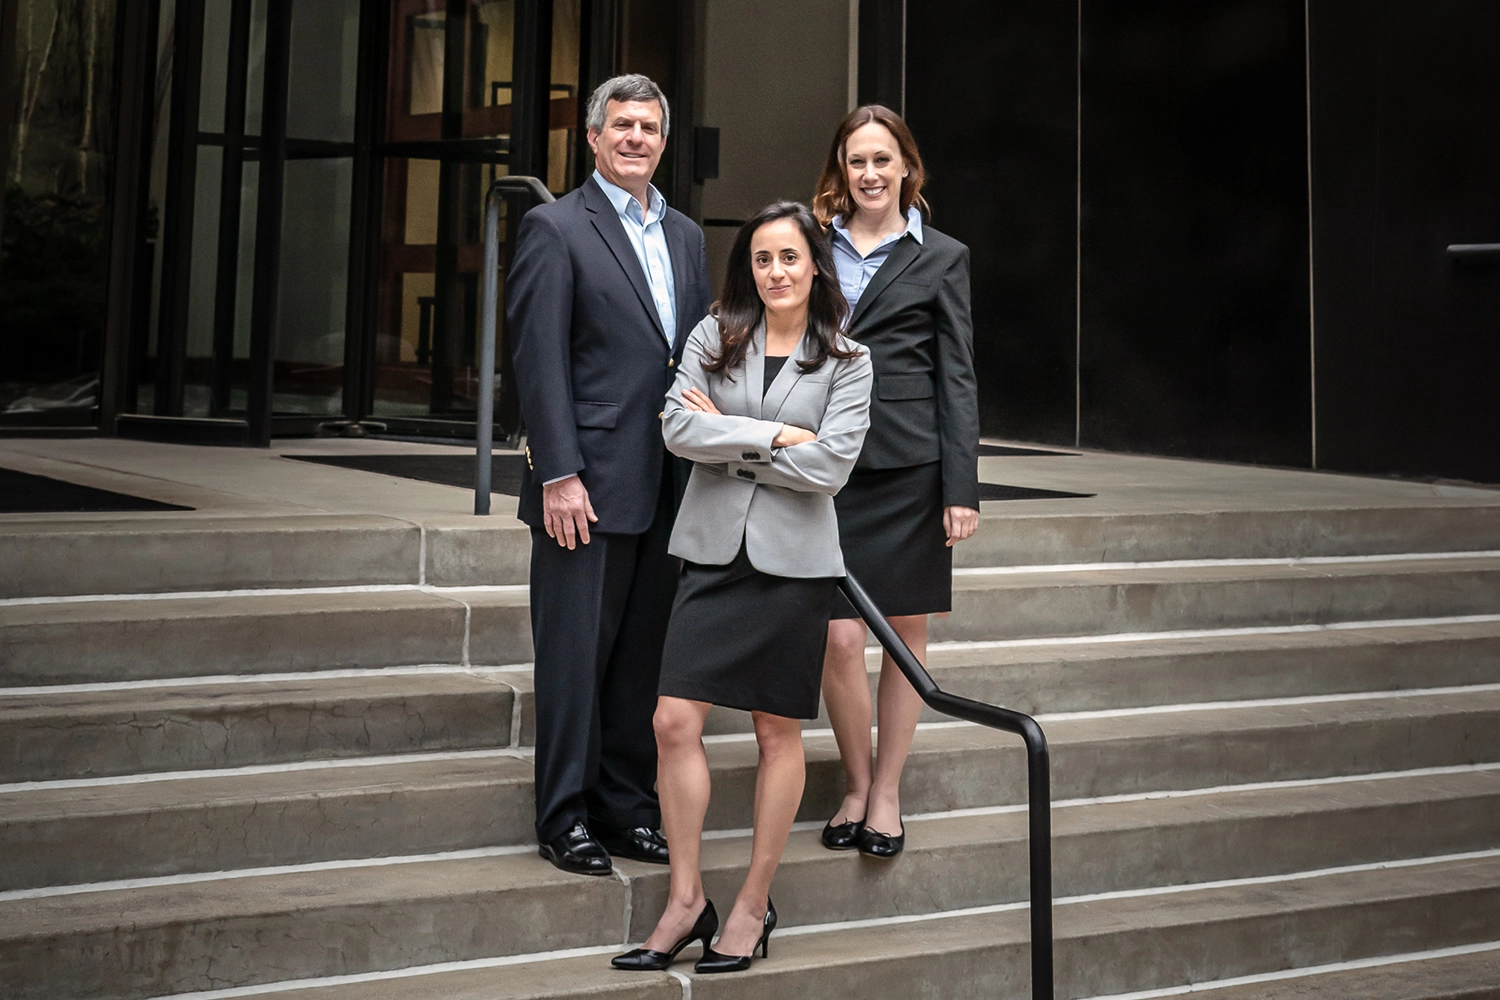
column 740, row 309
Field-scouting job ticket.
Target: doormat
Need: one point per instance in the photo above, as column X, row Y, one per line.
column 995, row 491
column 505, row 473
column 1006, row 449
column 445, row 470
column 24, row 493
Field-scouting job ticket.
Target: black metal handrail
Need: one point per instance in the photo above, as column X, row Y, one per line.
column 484, row 429
column 1038, row 773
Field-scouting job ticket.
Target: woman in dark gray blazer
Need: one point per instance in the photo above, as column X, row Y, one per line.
column 771, row 404
column 914, row 493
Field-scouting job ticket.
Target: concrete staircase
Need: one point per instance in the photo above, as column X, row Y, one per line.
column 288, row 757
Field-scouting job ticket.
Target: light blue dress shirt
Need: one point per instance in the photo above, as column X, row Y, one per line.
column 649, row 240
column 854, row 269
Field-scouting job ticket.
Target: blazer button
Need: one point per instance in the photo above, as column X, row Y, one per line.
column 744, row 473
column 662, row 415
column 528, row 459
column 750, row 456
column 671, row 362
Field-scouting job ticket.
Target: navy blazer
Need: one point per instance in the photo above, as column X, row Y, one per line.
column 592, row 362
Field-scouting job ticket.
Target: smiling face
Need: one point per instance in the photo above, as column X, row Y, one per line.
column 629, row 147
column 783, row 266
column 873, row 168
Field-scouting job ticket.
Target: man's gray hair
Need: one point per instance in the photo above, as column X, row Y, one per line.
column 630, row 87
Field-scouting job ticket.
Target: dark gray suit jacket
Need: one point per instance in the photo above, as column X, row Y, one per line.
column 592, row 363
column 914, row 318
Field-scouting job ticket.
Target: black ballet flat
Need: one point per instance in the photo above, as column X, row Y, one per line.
column 844, row 837
column 646, row 960
column 873, row 844
column 713, row 962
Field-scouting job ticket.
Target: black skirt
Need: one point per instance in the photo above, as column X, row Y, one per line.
column 748, row 640
column 891, row 531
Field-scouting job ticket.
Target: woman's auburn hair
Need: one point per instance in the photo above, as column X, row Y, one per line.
column 833, row 197
column 740, row 308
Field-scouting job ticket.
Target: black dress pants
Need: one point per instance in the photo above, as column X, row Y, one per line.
column 598, row 620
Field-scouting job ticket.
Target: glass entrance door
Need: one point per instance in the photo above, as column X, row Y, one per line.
column 451, row 89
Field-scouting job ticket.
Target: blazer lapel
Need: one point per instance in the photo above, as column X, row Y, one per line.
column 903, row 253
column 613, row 231
column 781, row 385
column 755, row 370
column 681, row 268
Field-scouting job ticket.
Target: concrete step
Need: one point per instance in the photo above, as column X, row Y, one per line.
column 1463, row 973
column 89, row 830
column 79, row 731
column 160, row 553
column 1010, row 537
column 1101, row 673
column 108, row 640
column 190, row 552
column 70, row 642
column 1002, row 603
column 74, row 731
column 318, row 922
column 1106, row 944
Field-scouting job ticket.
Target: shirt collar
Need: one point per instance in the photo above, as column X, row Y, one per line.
column 913, row 226
column 622, row 199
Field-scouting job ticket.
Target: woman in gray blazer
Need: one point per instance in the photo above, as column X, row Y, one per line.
column 771, row 404
column 914, row 493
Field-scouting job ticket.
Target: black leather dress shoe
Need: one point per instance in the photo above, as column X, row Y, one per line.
column 639, row 843
column 578, row 852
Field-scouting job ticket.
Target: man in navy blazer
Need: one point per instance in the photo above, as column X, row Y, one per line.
column 605, row 284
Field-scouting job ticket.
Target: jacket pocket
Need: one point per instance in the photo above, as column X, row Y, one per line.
column 895, row 387
column 604, row 415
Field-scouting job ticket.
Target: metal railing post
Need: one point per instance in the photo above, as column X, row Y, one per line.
column 484, row 429
column 1038, row 774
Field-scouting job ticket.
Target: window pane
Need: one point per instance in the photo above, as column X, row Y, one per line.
column 324, row 70
column 309, row 375
column 57, row 212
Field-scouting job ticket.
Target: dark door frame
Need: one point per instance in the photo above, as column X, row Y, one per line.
column 9, row 11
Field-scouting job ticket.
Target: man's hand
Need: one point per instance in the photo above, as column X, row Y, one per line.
column 790, row 435
column 566, row 511
column 959, row 523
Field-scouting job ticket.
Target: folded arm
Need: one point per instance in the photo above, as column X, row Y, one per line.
column 710, row 437
column 823, row 465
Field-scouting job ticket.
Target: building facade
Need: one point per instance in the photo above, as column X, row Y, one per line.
column 1215, row 230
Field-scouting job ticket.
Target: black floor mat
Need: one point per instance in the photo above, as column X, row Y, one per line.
column 505, row 473
column 446, row 470
column 995, row 491
column 24, row 493
column 1006, row 449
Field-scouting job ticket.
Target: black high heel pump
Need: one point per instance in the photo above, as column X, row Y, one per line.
column 712, row 961
column 646, row 960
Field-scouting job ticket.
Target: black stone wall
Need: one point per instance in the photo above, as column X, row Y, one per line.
column 1406, row 153
column 1194, row 334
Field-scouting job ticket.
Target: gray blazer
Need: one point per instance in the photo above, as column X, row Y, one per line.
column 778, row 500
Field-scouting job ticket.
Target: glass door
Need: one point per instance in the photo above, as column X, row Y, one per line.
column 451, row 92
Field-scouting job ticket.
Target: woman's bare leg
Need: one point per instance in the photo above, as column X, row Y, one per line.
column 899, row 706
column 778, row 793
column 846, row 692
column 683, row 786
